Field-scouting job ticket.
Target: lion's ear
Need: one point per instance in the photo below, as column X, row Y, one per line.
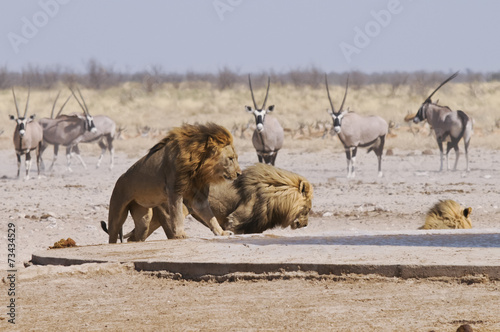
column 467, row 212
column 211, row 143
column 304, row 188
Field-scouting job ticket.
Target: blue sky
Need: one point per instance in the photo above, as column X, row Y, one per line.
column 250, row 36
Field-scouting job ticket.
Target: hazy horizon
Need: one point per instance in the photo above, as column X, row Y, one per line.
column 251, row 36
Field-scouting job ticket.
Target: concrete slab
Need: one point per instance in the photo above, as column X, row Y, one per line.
column 452, row 253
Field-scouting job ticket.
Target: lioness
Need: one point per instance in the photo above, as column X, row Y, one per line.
column 263, row 197
column 178, row 169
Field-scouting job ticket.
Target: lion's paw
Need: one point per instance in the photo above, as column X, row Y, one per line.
column 227, row 233
column 180, row 236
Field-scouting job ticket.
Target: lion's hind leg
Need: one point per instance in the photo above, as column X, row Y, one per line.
column 118, row 213
column 142, row 218
column 160, row 219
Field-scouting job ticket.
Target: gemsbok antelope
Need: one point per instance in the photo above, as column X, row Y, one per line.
column 28, row 136
column 106, row 130
column 449, row 126
column 355, row 130
column 66, row 130
column 104, row 136
column 268, row 137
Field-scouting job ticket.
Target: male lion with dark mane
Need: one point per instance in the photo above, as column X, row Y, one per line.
column 180, row 168
column 263, row 197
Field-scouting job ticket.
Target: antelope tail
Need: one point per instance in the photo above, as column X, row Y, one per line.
column 464, row 118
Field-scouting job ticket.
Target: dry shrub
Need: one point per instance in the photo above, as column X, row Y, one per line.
column 62, row 243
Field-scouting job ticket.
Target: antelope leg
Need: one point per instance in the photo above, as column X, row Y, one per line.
column 18, row 155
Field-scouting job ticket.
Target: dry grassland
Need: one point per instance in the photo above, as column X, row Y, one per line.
column 301, row 110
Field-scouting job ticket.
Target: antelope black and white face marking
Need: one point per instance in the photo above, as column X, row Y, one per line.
column 90, row 123
column 260, row 116
column 421, row 116
column 21, row 125
column 337, row 121
column 22, row 122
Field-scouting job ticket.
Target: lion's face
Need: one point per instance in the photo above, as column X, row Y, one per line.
column 302, row 217
column 303, row 206
column 227, row 166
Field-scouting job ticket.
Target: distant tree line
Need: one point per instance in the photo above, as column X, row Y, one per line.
column 98, row 76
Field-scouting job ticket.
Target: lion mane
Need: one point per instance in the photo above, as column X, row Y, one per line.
column 447, row 214
column 197, row 148
column 180, row 168
column 261, row 198
column 269, row 197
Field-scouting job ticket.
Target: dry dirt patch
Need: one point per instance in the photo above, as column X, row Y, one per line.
column 116, row 297
column 72, row 204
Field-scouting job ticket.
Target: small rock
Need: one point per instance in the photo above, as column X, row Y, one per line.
column 52, row 225
column 465, row 328
column 421, row 173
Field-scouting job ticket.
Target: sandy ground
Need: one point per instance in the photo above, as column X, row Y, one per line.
column 62, row 204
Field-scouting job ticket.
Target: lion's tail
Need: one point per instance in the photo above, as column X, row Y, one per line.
column 104, row 227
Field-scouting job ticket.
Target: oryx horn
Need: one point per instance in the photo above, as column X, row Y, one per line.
column 27, row 102
column 345, row 94
column 251, row 90
column 79, row 103
column 54, row 105
column 267, row 92
column 328, row 91
column 81, row 96
column 446, row 81
column 62, row 107
column 15, row 102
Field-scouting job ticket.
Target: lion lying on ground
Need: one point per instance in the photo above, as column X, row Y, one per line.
column 263, row 197
column 180, row 168
column 447, row 214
